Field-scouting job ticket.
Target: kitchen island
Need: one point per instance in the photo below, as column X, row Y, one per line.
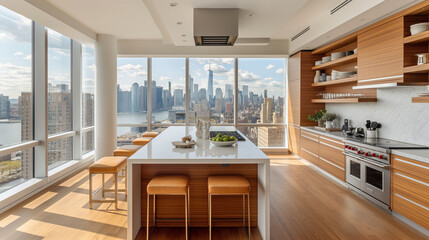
column 160, row 157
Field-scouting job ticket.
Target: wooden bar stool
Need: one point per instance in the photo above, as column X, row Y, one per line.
column 107, row 165
column 150, row 134
column 126, row 150
column 229, row 185
column 142, row 141
column 167, row 185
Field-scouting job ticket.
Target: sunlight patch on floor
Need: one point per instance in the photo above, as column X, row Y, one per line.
column 40, row 200
column 8, row 220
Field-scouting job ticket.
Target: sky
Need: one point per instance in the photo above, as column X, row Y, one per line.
column 257, row 73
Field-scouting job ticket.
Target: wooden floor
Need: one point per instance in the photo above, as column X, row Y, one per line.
column 305, row 205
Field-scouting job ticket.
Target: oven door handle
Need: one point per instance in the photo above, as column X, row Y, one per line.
column 368, row 161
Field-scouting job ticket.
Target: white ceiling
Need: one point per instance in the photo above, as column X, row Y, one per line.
column 126, row 19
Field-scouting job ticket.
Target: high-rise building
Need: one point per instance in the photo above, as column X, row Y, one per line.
column 25, row 109
column 271, row 136
column 202, row 94
column 4, row 107
column 266, row 111
column 219, row 105
column 210, row 86
column 240, row 99
column 191, row 86
column 265, row 93
column 229, row 107
column 245, row 95
column 142, row 98
column 124, row 101
column 135, row 107
column 219, row 94
column 88, row 112
column 178, row 97
column 195, row 95
column 228, row 92
column 166, row 99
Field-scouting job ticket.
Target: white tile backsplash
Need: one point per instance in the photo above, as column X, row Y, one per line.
column 402, row 120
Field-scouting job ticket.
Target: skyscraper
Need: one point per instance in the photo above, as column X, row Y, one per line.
column 4, row 107
column 265, row 93
column 195, row 94
column 219, row 94
column 135, row 98
column 228, row 92
column 266, row 111
column 210, row 86
column 191, row 86
column 178, row 97
column 25, row 109
column 245, row 94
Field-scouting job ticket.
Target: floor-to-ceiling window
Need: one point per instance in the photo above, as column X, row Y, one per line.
column 16, row 98
column 261, row 100
column 88, row 111
column 212, row 89
column 132, row 99
column 59, row 97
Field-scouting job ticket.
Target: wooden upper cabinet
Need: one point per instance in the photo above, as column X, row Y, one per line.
column 380, row 53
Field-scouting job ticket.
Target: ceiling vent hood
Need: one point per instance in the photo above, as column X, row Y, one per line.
column 215, row 26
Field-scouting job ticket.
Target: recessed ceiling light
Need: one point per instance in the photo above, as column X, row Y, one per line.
column 250, row 15
column 173, row 4
column 179, row 23
column 183, row 35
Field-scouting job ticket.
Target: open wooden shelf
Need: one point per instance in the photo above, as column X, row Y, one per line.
column 420, row 100
column 424, row 68
column 421, row 37
column 344, row 100
column 337, row 62
column 335, row 82
column 336, row 44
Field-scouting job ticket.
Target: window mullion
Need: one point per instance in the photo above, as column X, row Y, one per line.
column 149, row 94
column 76, row 91
column 235, row 92
column 187, row 91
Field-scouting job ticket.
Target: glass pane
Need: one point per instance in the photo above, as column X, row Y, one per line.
column 87, row 142
column 126, row 135
column 59, row 152
column 168, row 90
column 88, row 84
column 59, row 83
column 374, row 177
column 16, row 100
column 211, row 82
column 265, row 136
column 261, row 90
column 15, row 168
column 355, row 169
column 132, row 89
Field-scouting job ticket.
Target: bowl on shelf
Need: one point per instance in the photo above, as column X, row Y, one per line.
column 223, row 143
column 348, row 53
column 326, row 59
column 419, row 28
column 337, row 55
column 318, row 63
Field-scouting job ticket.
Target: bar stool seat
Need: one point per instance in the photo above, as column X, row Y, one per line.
column 167, row 185
column 229, row 185
column 142, row 141
column 150, row 134
column 107, row 165
column 126, row 150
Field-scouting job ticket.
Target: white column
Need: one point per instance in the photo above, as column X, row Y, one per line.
column 105, row 96
column 76, row 75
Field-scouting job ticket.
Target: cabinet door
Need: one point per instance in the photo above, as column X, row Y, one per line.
column 380, row 53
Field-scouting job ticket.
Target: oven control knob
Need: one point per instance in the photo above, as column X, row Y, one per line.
column 345, row 146
column 381, row 157
column 353, row 148
column 349, row 147
column 374, row 155
column 359, row 152
column 367, row 154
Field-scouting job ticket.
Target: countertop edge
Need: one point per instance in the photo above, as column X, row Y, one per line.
column 407, row 153
column 327, row 134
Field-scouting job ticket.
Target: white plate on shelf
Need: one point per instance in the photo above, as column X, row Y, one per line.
column 223, row 144
column 423, row 94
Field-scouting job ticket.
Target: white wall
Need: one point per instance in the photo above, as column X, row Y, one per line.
column 401, row 119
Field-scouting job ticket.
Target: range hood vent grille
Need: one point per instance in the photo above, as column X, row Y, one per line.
column 215, row 40
column 339, row 6
column 215, row 26
column 300, row 33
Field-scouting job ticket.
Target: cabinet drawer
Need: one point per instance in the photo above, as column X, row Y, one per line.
column 410, row 210
column 332, row 169
column 332, row 142
column 416, row 191
column 310, row 143
column 411, row 168
column 332, row 154
column 309, row 156
column 310, row 135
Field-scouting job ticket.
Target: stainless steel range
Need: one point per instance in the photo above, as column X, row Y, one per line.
column 368, row 166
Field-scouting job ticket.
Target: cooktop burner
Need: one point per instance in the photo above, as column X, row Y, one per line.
column 386, row 143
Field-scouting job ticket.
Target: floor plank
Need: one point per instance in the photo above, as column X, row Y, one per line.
column 305, row 204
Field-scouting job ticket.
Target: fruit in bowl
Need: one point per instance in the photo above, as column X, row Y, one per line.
column 223, row 140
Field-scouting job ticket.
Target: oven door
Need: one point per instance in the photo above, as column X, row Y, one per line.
column 376, row 180
column 354, row 171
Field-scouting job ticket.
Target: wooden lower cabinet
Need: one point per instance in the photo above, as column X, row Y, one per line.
column 410, row 189
column 324, row 152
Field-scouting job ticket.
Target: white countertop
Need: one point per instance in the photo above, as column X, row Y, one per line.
column 339, row 135
column 161, row 150
column 421, row 155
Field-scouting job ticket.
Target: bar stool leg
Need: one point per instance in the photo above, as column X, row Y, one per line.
column 244, row 212
column 115, row 178
column 154, row 211
column 90, row 191
column 126, row 181
column 189, row 209
column 102, row 185
column 210, row 216
column 147, row 218
column 248, row 212
column 186, row 215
